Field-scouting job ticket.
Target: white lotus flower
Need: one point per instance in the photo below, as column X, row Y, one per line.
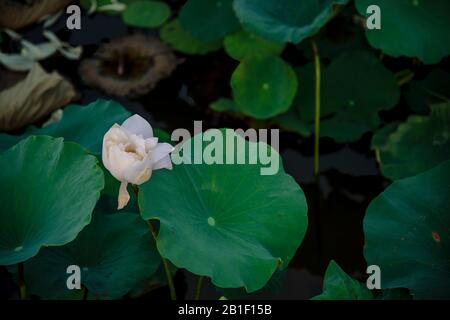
column 131, row 153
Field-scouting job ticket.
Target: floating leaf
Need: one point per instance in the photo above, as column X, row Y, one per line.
column 48, row 191
column 337, row 285
column 146, row 14
column 208, row 20
column 408, row 30
column 264, row 86
column 114, row 252
column 241, row 45
column 84, row 125
column 407, row 232
column 33, row 98
column 355, row 86
column 417, row 145
column 252, row 234
column 285, row 20
column 174, row 35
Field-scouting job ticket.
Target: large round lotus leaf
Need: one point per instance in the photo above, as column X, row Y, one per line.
column 84, row 125
column 435, row 88
column 337, row 285
column 115, row 252
column 285, row 20
column 242, row 44
column 354, row 88
column 417, row 145
column 146, row 14
column 407, row 233
column 208, row 20
column 226, row 221
column 48, row 189
column 264, row 86
column 412, row 28
column 178, row 38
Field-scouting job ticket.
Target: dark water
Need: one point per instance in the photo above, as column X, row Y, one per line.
column 349, row 177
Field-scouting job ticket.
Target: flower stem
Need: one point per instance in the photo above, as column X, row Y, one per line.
column 173, row 294
column 198, row 291
column 317, row 108
column 22, row 286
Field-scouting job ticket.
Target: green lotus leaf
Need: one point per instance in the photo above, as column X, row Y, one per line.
column 264, row 86
column 285, row 20
column 435, row 88
column 338, row 285
column 178, row 38
column 48, row 189
column 209, row 20
column 417, row 145
column 114, row 253
column 407, row 231
column 408, row 30
column 212, row 228
column 146, row 14
column 242, row 44
column 354, row 88
column 85, row 125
